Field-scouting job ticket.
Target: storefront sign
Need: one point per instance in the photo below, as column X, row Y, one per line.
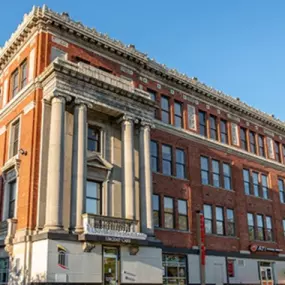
column 255, row 248
column 116, row 239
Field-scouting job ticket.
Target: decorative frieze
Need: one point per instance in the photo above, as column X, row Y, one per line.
column 126, row 70
column 143, row 79
column 59, row 41
column 233, row 118
column 158, row 86
column 269, row 133
column 172, row 91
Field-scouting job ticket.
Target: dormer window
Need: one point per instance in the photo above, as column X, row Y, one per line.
column 93, row 139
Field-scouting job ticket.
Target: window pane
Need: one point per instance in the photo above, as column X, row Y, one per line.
column 91, row 206
column 261, row 145
column 155, row 202
column 268, row 223
column 220, row 228
column 207, row 211
column 204, row 163
column 246, row 175
column 168, row 204
column 92, row 189
column 166, row 167
column 168, row 220
column 202, row 123
column 252, row 142
column 166, row 157
column 259, row 221
column 213, row 127
column 281, row 190
column 165, row 117
column 93, row 139
column 164, row 103
column 180, row 171
column 166, row 152
column 182, row 207
column 255, row 184
column 180, row 156
column 250, row 220
column 243, row 139
column 219, row 213
column 224, row 132
column 183, row 223
column 216, row 173
column 230, row 215
column 154, row 156
column 227, row 176
column 264, row 186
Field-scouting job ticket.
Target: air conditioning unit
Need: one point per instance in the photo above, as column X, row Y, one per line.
column 241, row 262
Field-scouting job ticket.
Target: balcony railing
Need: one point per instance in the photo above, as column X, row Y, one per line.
column 111, row 226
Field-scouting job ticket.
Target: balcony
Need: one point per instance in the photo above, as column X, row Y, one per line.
column 111, row 227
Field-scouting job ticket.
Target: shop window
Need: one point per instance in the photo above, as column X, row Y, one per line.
column 175, row 269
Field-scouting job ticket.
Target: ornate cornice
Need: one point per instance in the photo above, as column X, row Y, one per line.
column 62, row 21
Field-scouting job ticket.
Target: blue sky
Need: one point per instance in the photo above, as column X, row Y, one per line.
column 237, row 46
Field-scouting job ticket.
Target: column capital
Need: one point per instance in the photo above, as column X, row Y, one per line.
column 80, row 102
column 144, row 123
column 127, row 118
column 57, row 94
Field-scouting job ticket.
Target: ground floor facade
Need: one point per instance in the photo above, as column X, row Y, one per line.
column 121, row 261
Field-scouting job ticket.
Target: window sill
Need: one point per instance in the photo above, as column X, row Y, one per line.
column 218, row 188
column 222, row 236
column 263, row 241
column 173, row 230
column 249, row 195
column 170, row 176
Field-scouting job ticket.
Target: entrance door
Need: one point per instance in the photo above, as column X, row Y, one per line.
column 110, row 265
column 266, row 275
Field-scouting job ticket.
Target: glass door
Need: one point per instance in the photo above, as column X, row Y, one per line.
column 266, row 275
column 110, row 265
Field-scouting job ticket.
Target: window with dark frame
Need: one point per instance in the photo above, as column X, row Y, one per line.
column 255, row 184
column 24, row 74
column 178, row 115
column 264, row 184
column 213, row 128
column 165, row 110
column 227, row 176
column 4, row 270
column 182, row 215
column 252, row 142
column 15, row 132
column 269, row 230
column 261, row 145
column 62, row 257
column 243, row 138
column 224, row 131
column 168, row 213
column 230, row 222
column 156, row 210
column 93, row 197
column 219, row 221
column 180, row 163
column 19, row 78
column 154, row 156
column 216, row 173
column 202, row 123
column 15, row 82
column 94, row 138
column 166, row 159
column 12, row 199
column 208, row 217
column 250, row 223
column 281, row 190
column 277, row 151
column 205, row 170
column 246, row 181
column 260, row 227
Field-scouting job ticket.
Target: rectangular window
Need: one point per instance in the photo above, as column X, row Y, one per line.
column 216, row 173
column 284, row 228
column 178, row 115
column 261, row 145
column 260, row 227
column 255, row 184
column 24, row 74
column 224, row 131
column 180, row 163
column 154, row 156
column 281, row 190
column 15, row 82
column 168, row 213
column 93, row 197
column 165, row 113
column 56, row 52
column 230, row 222
column 246, row 182
column 166, row 160
column 243, row 138
column 175, row 269
column 213, row 128
column 4, row 270
column 12, row 199
column 227, row 176
column 204, row 170
column 250, row 223
column 264, row 186
column 93, row 139
column 219, row 221
column 269, row 229
column 156, row 210
column 182, row 215
column 277, row 151
column 252, row 142
column 202, row 123
column 208, row 219
column 14, row 147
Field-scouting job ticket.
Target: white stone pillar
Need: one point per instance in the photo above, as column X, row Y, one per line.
column 54, row 199
column 145, row 180
column 128, row 167
column 79, row 168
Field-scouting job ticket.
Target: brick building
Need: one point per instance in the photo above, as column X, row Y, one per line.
column 106, row 157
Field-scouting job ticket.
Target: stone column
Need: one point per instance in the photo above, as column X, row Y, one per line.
column 54, row 199
column 79, row 168
column 145, row 180
column 128, row 167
